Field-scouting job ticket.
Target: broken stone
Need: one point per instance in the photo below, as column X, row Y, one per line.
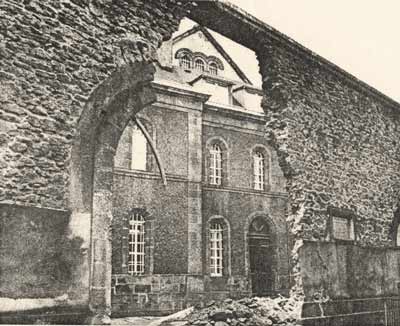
column 221, row 323
column 219, row 315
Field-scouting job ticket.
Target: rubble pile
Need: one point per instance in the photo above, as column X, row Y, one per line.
column 247, row 312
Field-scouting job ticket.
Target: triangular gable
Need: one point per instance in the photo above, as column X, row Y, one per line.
column 217, row 46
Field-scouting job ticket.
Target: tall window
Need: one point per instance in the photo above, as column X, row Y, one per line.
column 139, row 149
column 213, row 68
column 215, row 165
column 216, row 249
column 398, row 236
column 199, row 65
column 136, row 244
column 184, row 62
column 258, row 160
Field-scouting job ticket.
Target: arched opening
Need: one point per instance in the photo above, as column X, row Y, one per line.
column 261, row 253
column 108, row 111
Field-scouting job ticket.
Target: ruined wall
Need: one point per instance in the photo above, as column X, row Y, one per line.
column 338, row 146
column 52, row 55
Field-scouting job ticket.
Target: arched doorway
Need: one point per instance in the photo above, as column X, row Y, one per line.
column 261, row 252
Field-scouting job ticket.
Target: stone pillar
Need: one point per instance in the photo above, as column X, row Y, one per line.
column 194, row 192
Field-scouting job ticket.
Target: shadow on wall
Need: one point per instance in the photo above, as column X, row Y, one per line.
column 39, row 260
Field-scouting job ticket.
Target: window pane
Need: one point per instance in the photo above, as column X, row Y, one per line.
column 213, row 69
column 258, row 162
column 216, row 250
column 185, row 62
column 215, row 165
column 136, row 244
column 199, row 65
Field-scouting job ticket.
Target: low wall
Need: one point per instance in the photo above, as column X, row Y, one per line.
column 41, row 273
column 345, row 284
column 162, row 294
column 38, row 259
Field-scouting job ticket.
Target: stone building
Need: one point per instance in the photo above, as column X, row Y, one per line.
column 216, row 228
column 74, row 74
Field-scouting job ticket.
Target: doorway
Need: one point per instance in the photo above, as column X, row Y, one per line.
column 261, row 254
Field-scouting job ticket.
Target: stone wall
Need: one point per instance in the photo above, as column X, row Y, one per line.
column 53, row 54
column 345, row 283
column 38, row 259
column 54, row 58
column 337, row 141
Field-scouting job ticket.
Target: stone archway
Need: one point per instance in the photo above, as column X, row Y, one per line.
column 110, row 108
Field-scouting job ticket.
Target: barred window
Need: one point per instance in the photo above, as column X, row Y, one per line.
column 184, row 62
column 213, row 68
column 139, row 149
column 216, row 249
column 136, row 244
column 258, row 160
column 199, row 65
column 216, row 165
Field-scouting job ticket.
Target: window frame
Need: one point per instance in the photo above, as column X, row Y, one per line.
column 225, row 248
column 136, row 243
column 258, row 170
column 266, row 172
column 216, row 249
column 342, row 214
column 212, row 66
column 196, row 66
column 215, row 168
column 185, row 62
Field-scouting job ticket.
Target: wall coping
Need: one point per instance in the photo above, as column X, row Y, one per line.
column 351, row 243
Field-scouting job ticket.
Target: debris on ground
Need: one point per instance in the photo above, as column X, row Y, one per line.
column 246, row 312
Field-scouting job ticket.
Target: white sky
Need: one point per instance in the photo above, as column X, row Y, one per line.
column 360, row 36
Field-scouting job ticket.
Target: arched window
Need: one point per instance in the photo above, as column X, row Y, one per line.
column 218, row 255
column 199, row 65
column 259, row 166
column 215, row 165
column 136, row 244
column 185, row 62
column 216, row 249
column 212, row 67
column 139, row 149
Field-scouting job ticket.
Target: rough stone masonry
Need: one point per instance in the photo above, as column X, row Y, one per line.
column 67, row 64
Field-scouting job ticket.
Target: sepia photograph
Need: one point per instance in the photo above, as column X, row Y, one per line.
column 200, row 162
